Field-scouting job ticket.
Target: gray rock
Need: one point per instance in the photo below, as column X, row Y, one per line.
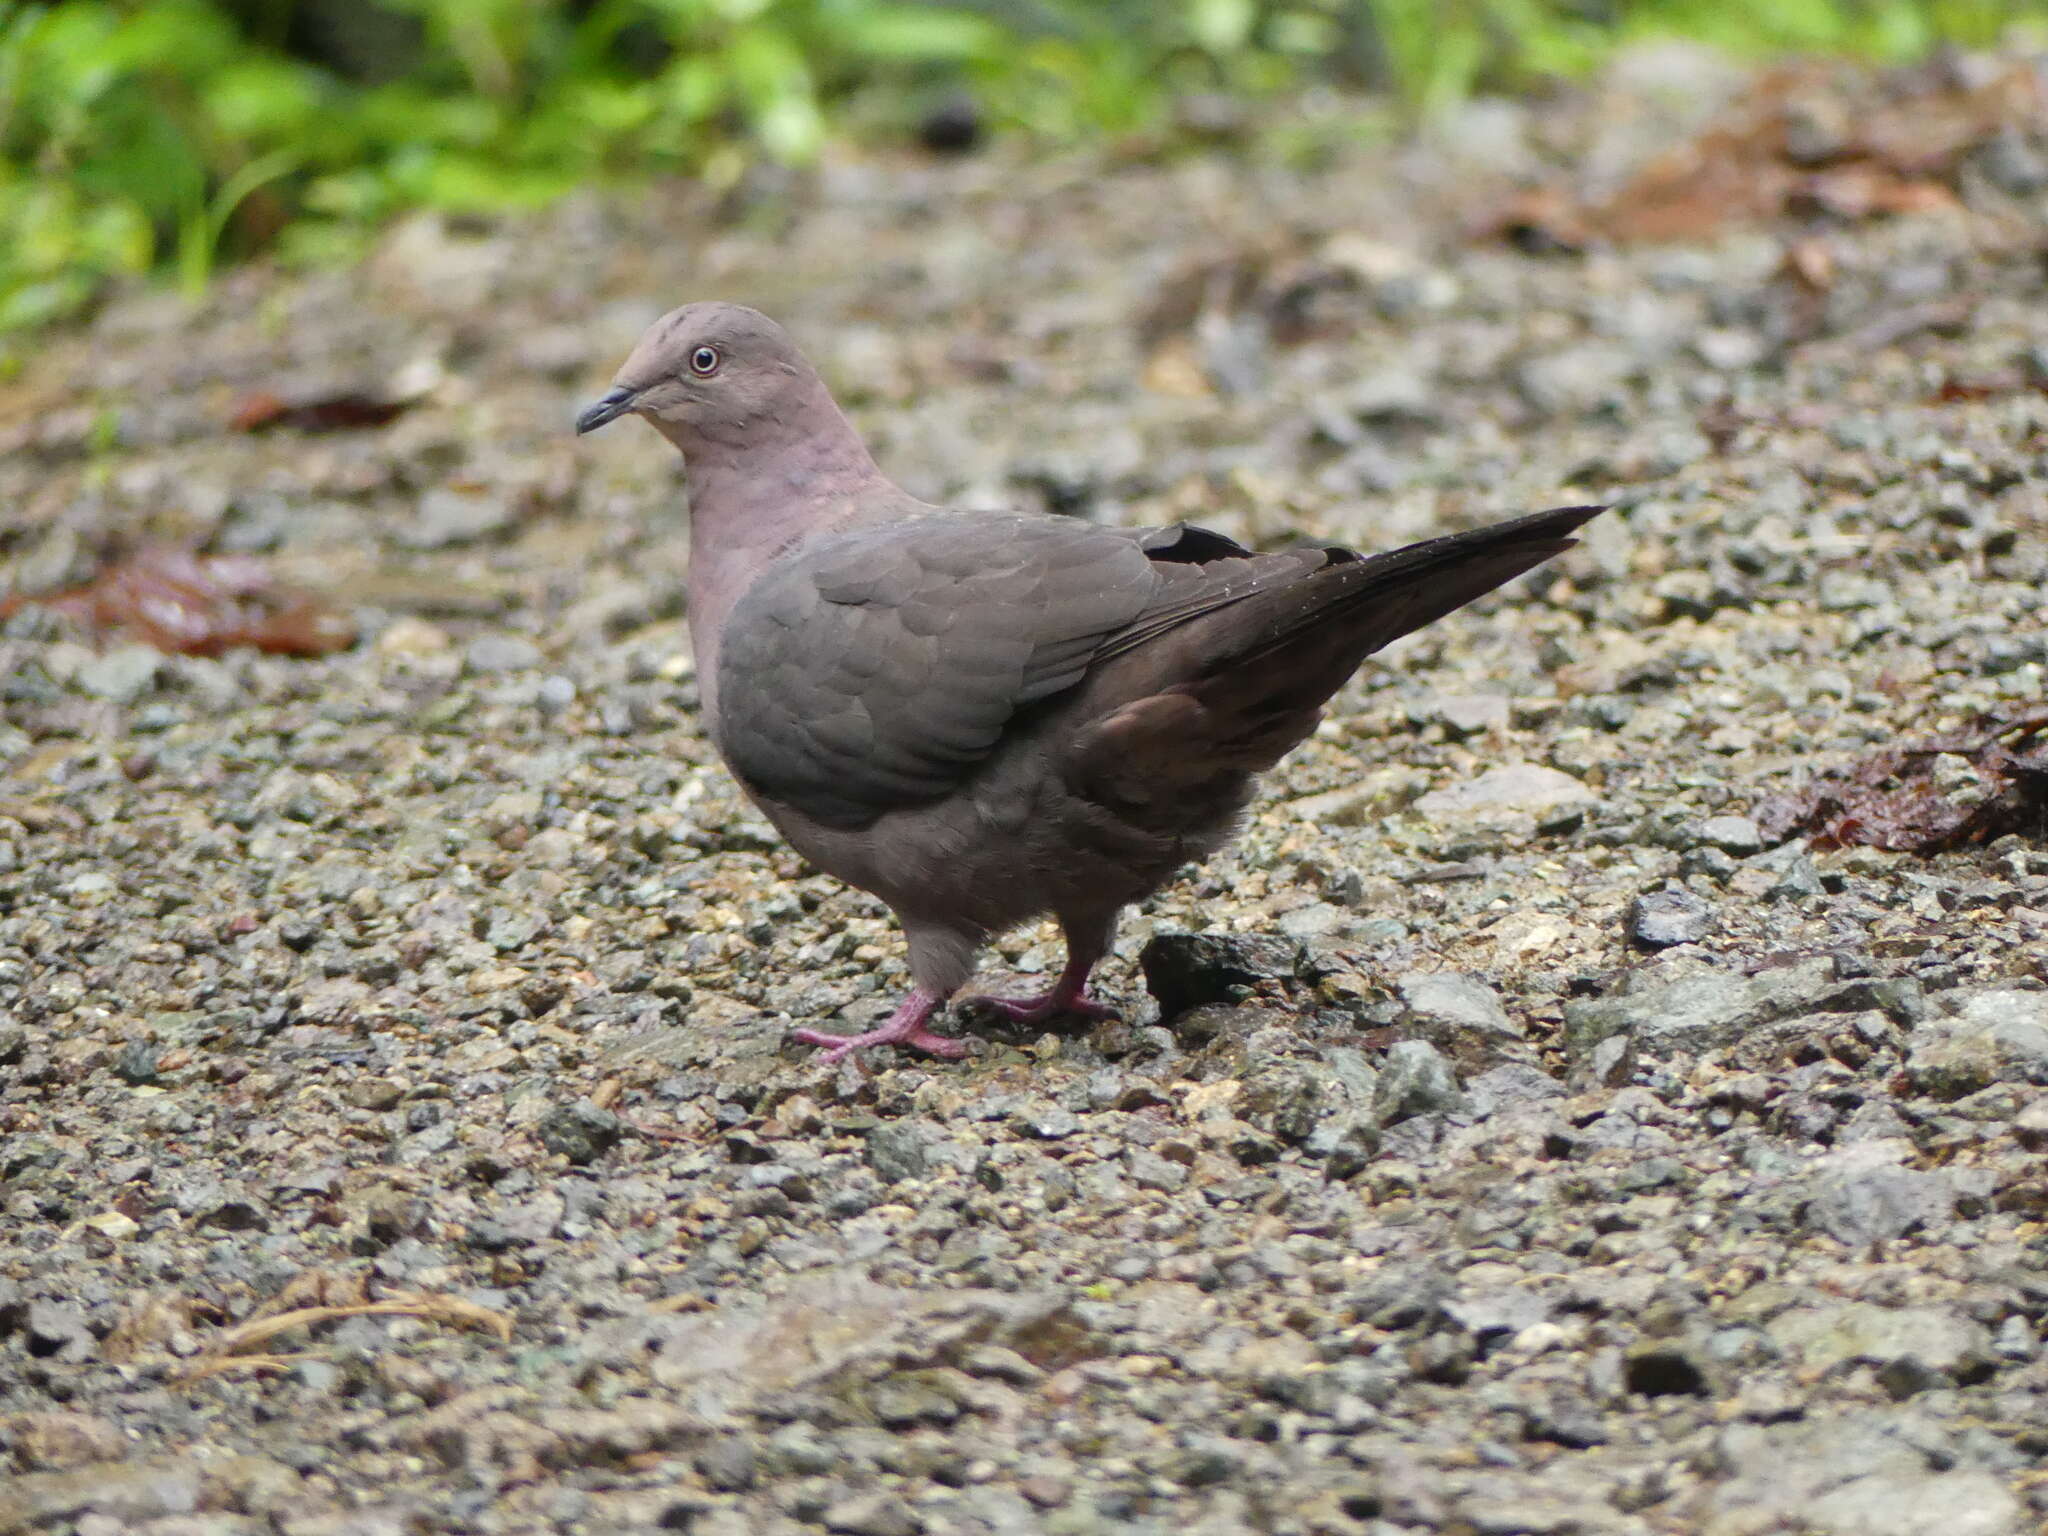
column 1875, row 1205
column 1702, row 1012
column 123, row 674
column 1576, row 378
column 1736, row 835
column 129, row 1492
column 1416, row 1080
column 1939, row 1338
column 875, row 1513
column 1993, row 1037
column 1660, row 919
column 447, row 517
column 580, row 1131
column 1447, row 1005
column 1148, row 1170
column 1187, row 970
column 501, row 653
column 1510, row 1083
column 1962, row 1503
column 1470, row 714
column 57, row 1329
column 1512, row 793
column 900, row 1149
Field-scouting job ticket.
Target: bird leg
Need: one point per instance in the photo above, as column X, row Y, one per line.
column 908, row 1025
column 1069, row 995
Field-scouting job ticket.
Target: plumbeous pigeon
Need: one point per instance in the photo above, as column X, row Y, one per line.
column 984, row 718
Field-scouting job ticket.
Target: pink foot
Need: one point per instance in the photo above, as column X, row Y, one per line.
column 908, row 1025
column 1047, row 1005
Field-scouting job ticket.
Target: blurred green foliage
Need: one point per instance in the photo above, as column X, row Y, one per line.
column 167, row 134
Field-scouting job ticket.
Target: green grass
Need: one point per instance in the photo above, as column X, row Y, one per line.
column 172, row 135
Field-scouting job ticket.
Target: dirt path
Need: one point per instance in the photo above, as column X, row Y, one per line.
column 396, row 1132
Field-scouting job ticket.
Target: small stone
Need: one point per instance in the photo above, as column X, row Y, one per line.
column 136, row 1063
column 1876, row 1205
column 878, row 1513
column 899, row 1150
column 1416, row 1080
column 1450, row 1005
column 1471, row 714
column 448, row 517
column 56, row 1329
column 1187, row 970
column 501, row 653
column 374, row 1093
column 1509, row 793
column 1045, row 1491
column 1046, row 1121
column 409, row 636
column 1994, row 1037
column 581, row 1131
column 123, row 674
column 1205, row 1461
column 1149, row 1170
column 1736, row 835
column 727, row 1464
column 1660, row 919
column 1697, row 1013
column 1939, row 1339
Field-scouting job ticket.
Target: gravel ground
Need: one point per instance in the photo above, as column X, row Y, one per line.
column 397, row 1131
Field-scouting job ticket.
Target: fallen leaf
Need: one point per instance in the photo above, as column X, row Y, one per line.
column 200, row 605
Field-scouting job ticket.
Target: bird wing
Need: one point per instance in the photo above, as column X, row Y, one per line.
column 878, row 669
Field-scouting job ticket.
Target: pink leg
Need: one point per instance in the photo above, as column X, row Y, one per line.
column 1069, row 995
column 906, row 1026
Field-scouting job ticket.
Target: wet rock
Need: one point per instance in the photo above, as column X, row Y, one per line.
column 1188, row 970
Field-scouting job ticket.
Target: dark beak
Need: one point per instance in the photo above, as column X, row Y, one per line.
column 610, row 408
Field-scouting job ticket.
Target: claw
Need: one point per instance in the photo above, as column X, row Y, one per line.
column 1048, row 1005
column 908, row 1025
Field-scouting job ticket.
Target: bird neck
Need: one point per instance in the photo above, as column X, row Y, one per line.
column 755, row 499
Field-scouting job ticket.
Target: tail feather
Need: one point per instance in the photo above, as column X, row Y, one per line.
column 1224, row 691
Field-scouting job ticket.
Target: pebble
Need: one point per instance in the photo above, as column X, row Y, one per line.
column 1661, row 919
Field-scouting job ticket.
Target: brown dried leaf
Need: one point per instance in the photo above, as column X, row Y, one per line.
column 342, row 411
column 1887, row 799
column 1899, row 155
column 201, row 605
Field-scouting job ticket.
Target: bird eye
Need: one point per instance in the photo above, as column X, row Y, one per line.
column 704, row 362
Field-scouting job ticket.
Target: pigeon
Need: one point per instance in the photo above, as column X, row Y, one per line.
column 987, row 718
